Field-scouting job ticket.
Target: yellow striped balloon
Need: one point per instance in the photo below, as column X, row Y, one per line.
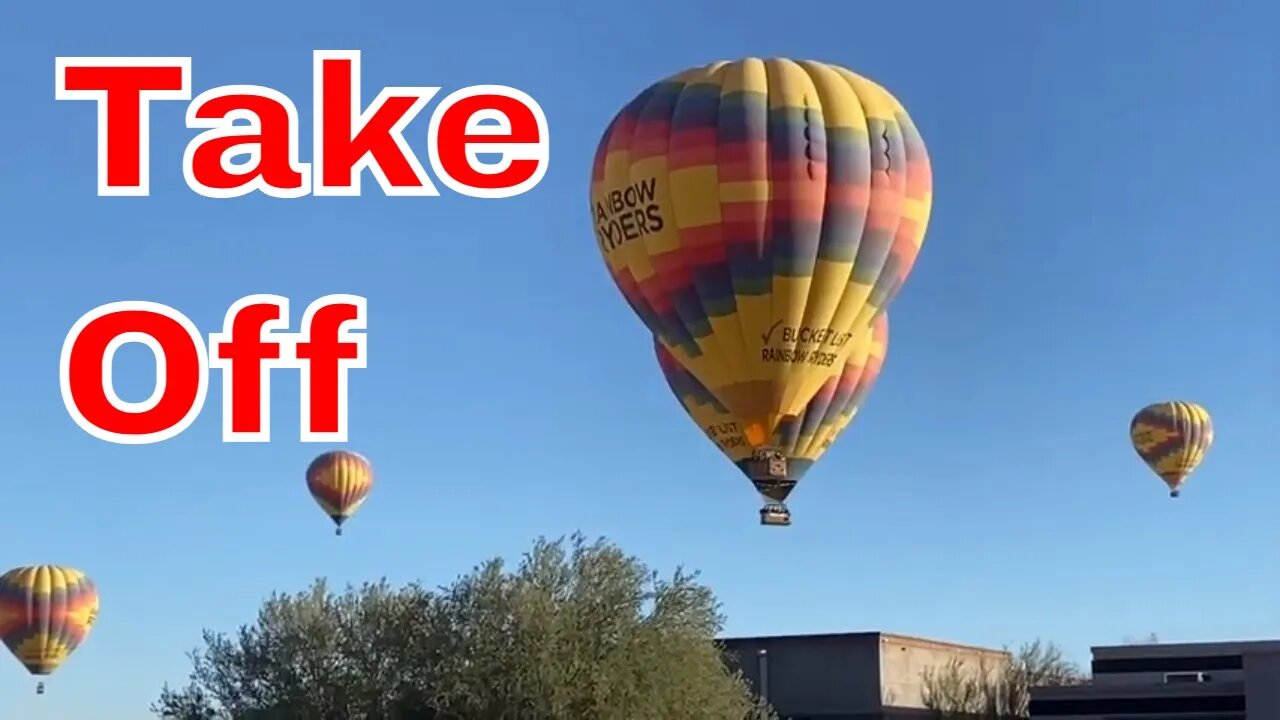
column 46, row 611
column 755, row 215
column 340, row 481
column 1172, row 439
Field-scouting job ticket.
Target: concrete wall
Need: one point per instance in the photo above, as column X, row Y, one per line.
column 850, row 676
column 904, row 660
column 816, row 675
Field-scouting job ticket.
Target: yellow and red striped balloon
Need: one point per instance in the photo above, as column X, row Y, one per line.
column 1172, row 439
column 756, row 215
column 340, row 481
column 46, row 611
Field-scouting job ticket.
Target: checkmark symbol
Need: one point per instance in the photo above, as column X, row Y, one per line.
column 769, row 334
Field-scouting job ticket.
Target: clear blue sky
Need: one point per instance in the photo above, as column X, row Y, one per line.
column 1102, row 237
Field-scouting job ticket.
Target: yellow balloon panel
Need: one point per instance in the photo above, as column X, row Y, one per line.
column 755, row 215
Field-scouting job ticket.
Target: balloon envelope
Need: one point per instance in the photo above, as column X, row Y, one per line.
column 1172, row 439
column 755, row 215
column 46, row 611
column 340, row 481
column 804, row 439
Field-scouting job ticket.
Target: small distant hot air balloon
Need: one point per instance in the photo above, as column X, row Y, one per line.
column 755, row 214
column 340, row 480
column 801, row 441
column 1172, row 438
column 46, row 611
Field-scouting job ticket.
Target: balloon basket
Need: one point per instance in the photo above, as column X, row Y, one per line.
column 775, row 515
column 39, row 688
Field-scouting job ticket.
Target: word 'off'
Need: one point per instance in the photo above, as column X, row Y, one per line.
column 250, row 345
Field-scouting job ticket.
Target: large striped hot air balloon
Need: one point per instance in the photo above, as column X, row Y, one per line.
column 1172, row 439
column 801, row 440
column 756, row 215
column 46, row 611
column 340, row 481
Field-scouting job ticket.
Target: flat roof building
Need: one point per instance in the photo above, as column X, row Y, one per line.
column 848, row 676
column 1185, row 681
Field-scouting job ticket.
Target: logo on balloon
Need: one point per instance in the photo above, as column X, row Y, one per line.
column 627, row 214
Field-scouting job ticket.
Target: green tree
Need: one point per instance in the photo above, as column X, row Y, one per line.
column 576, row 631
column 988, row 690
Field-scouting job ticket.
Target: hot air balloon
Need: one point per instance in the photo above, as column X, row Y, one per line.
column 46, row 611
column 756, row 215
column 802, row 439
column 1172, row 438
column 340, row 480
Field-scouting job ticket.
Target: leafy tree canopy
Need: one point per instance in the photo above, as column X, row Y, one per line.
column 576, row 631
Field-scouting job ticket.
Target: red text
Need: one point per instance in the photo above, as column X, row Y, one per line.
column 252, row 342
column 260, row 126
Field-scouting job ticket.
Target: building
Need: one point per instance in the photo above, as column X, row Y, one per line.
column 1194, row 681
column 848, row 676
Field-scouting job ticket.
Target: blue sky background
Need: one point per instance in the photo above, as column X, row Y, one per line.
column 1103, row 237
